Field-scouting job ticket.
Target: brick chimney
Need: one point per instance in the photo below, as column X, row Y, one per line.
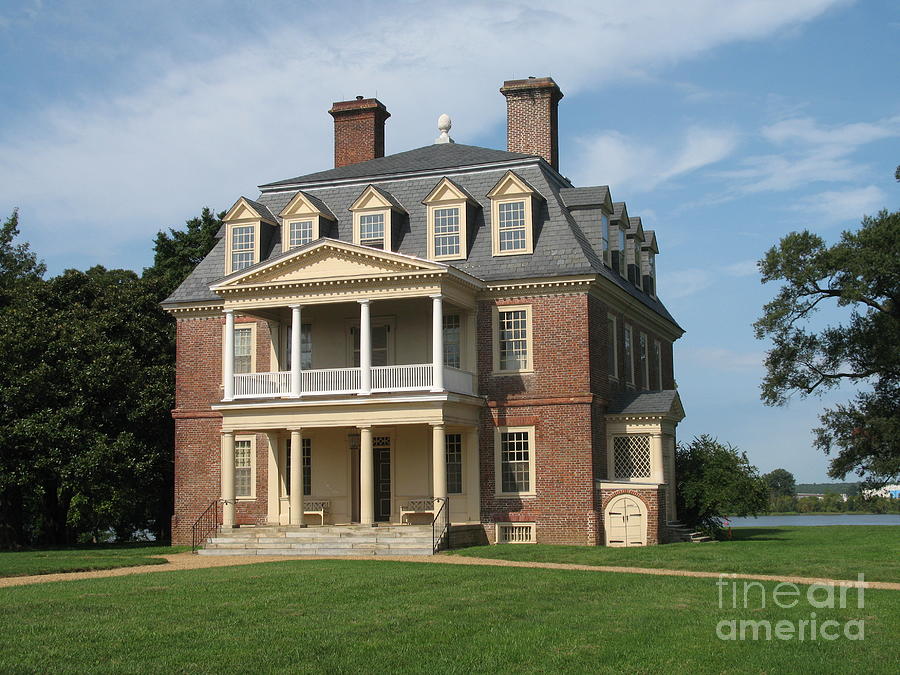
column 531, row 117
column 358, row 130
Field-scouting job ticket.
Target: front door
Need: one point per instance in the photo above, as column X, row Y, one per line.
column 625, row 523
column 382, row 448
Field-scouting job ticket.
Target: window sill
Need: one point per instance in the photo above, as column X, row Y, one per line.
column 502, row 373
column 245, row 499
column 498, row 254
column 515, row 495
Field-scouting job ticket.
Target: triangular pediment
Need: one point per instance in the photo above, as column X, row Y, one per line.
column 304, row 205
column 242, row 210
column 447, row 191
column 372, row 198
column 329, row 259
column 511, row 185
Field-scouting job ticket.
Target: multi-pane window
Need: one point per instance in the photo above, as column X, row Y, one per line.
column 657, row 360
column 305, row 347
column 242, row 245
column 380, row 340
column 604, row 237
column 511, row 227
column 451, row 340
column 629, row 358
column 371, row 230
column 306, row 445
column 513, row 339
column 454, row 463
column 300, row 232
column 243, row 350
column 645, row 361
column 446, row 232
column 515, row 461
column 622, row 239
column 612, row 354
column 243, row 469
column 651, row 261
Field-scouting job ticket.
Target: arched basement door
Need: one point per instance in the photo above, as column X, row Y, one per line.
column 626, row 522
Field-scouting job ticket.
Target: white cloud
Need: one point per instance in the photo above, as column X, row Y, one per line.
column 115, row 166
column 841, row 206
column 637, row 166
column 743, row 268
column 682, row 283
column 716, row 358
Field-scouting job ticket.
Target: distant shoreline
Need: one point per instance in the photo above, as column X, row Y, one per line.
column 824, row 513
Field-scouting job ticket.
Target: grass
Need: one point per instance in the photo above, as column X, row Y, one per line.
column 362, row 616
column 81, row 559
column 835, row 552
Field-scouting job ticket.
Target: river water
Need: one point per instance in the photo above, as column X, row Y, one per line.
column 823, row 519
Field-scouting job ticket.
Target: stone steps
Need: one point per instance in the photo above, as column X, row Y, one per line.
column 328, row 540
column 680, row 532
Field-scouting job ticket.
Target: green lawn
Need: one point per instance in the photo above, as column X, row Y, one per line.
column 360, row 616
column 51, row 561
column 835, row 552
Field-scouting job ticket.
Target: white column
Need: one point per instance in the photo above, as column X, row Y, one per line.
column 296, row 334
column 438, row 462
column 656, row 459
column 228, row 479
column 229, row 355
column 437, row 343
column 274, row 480
column 365, row 348
column 296, row 477
column 366, row 477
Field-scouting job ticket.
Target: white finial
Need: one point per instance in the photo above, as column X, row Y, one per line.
column 444, row 127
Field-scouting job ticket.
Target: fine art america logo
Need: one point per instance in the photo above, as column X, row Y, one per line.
column 818, row 624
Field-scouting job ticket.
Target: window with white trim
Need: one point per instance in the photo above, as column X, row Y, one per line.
column 604, row 237
column 243, row 468
column 631, row 456
column 371, row 229
column 515, row 460
column 300, row 232
column 512, row 226
column 306, row 448
column 657, row 359
column 305, row 346
column 612, row 347
column 513, row 339
column 243, row 349
column 628, row 345
column 446, row 232
column 451, row 329
column 645, row 361
column 454, row 449
column 243, row 241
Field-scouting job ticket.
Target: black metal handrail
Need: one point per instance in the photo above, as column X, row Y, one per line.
column 440, row 525
column 207, row 522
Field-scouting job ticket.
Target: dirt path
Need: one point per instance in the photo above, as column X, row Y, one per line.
column 188, row 561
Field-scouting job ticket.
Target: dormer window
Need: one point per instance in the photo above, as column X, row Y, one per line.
column 299, row 232
column 371, row 230
column 512, row 216
column 243, row 245
column 604, row 237
column 621, row 249
column 248, row 226
column 449, row 208
column 305, row 219
column 376, row 218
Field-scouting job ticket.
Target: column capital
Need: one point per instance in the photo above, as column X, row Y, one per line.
column 363, row 427
column 365, row 301
column 295, row 430
column 437, row 425
column 228, row 311
column 228, row 433
column 296, row 305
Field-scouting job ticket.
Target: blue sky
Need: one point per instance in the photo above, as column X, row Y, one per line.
column 724, row 125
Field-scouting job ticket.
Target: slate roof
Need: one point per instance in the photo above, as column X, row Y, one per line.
column 642, row 402
column 582, row 197
column 566, row 243
column 262, row 210
column 429, row 157
column 618, row 210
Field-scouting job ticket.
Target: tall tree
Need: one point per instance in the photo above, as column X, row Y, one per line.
column 178, row 252
column 781, row 483
column 860, row 274
column 18, row 264
column 716, row 480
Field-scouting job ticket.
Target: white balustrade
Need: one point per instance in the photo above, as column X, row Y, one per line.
column 412, row 377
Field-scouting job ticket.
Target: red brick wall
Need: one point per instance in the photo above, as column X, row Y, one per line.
column 198, row 385
column 358, row 130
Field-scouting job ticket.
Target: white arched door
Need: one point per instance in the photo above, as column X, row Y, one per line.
column 626, row 522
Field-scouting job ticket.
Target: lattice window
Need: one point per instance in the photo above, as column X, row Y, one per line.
column 381, row 442
column 243, row 469
column 446, row 231
column 631, row 456
column 515, row 533
column 454, row 463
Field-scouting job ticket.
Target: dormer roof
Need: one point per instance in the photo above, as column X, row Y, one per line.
column 650, row 241
column 620, row 212
column 374, row 196
column 247, row 209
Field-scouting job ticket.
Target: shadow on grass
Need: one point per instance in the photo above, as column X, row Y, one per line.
column 757, row 534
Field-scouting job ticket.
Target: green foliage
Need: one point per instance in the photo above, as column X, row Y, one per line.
column 18, row 264
column 178, row 252
column 826, row 488
column 862, row 274
column 716, row 480
column 781, row 483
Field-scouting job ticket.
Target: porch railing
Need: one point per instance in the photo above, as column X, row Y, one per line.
column 440, row 525
column 412, row 377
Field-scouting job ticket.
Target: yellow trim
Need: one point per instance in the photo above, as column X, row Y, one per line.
column 253, row 345
column 252, row 438
column 229, row 227
column 498, row 479
column 462, row 207
column 241, row 210
column 529, row 325
column 286, row 230
column 511, row 189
